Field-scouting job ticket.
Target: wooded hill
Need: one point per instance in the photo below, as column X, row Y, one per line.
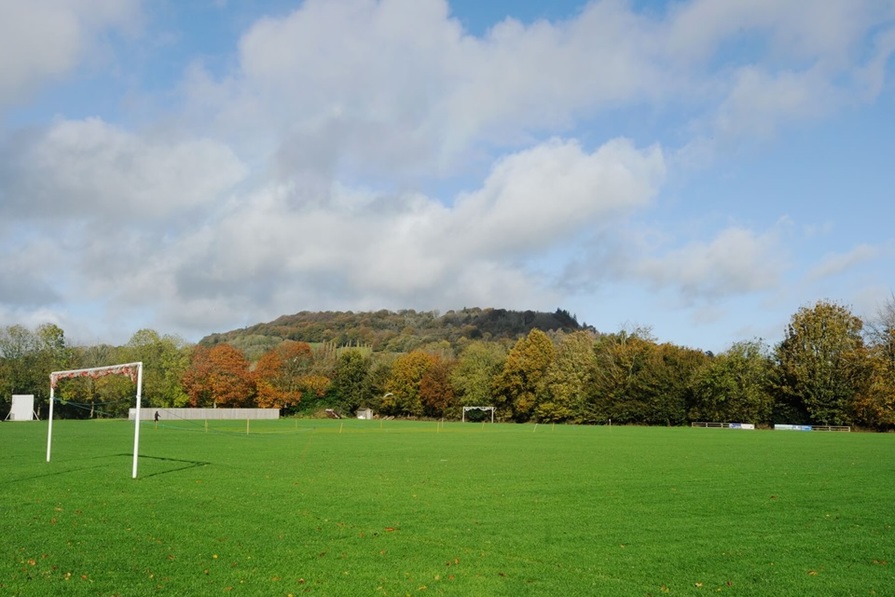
column 394, row 331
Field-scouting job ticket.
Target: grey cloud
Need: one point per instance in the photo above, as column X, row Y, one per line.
column 90, row 169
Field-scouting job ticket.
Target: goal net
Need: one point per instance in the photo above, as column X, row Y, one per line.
column 479, row 408
column 132, row 370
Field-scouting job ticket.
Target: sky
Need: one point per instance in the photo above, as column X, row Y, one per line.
column 703, row 168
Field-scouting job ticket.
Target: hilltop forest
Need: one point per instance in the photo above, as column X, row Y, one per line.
column 831, row 368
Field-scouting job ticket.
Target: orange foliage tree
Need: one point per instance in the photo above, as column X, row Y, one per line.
column 219, row 376
column 281, row 375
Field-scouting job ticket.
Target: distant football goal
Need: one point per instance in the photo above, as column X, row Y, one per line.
column 483, row 409
column 132, row 370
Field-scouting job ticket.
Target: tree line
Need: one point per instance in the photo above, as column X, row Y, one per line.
column 831, row 368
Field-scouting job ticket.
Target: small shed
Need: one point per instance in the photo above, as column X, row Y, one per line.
column 365, row 413
column 22, row 408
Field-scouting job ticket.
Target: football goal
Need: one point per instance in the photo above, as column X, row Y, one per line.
column 481, row 408
column 132, row 370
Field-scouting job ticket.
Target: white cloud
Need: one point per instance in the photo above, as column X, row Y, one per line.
column 760, row 102
column 837, row 263
column 43, row 40
column 736, row 261
column 534, row 197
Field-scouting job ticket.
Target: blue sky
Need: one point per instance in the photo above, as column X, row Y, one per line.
column 702, row 167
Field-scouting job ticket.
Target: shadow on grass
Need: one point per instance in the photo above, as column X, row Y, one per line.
column 187, row 464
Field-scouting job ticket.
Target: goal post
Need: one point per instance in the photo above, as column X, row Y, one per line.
column 132, row 370
column 481, row 408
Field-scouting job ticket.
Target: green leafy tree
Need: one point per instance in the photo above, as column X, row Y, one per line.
column 475, row 371
column 165, row 359
column 523, row 382
column 622, row 358
column 735, row 386
column 27, row 357
column 664, row 385
column 822, row 364
column 18, row 351
column 379, row 378
column 351, row 383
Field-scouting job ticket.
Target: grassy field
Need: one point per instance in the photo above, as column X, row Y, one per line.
column 395, row 508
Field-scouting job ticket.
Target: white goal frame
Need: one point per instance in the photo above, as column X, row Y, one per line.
column 132, row 370
column 482, row 408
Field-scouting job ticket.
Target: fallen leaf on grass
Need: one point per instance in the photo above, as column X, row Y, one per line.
column 812, row 573
column 698, row 585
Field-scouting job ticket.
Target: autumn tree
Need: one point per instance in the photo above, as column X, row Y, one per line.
column 282, row 374
column 403, row 387
column 569, row 378
column 876, row 407
column 735, row 386
column 219, row 376
column 436, row 390
column 522, row 383
column 822, row 363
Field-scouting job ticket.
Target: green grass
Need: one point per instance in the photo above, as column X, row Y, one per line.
column 395, row 508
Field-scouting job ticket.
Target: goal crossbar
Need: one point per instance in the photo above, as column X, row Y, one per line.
column 132, row 370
